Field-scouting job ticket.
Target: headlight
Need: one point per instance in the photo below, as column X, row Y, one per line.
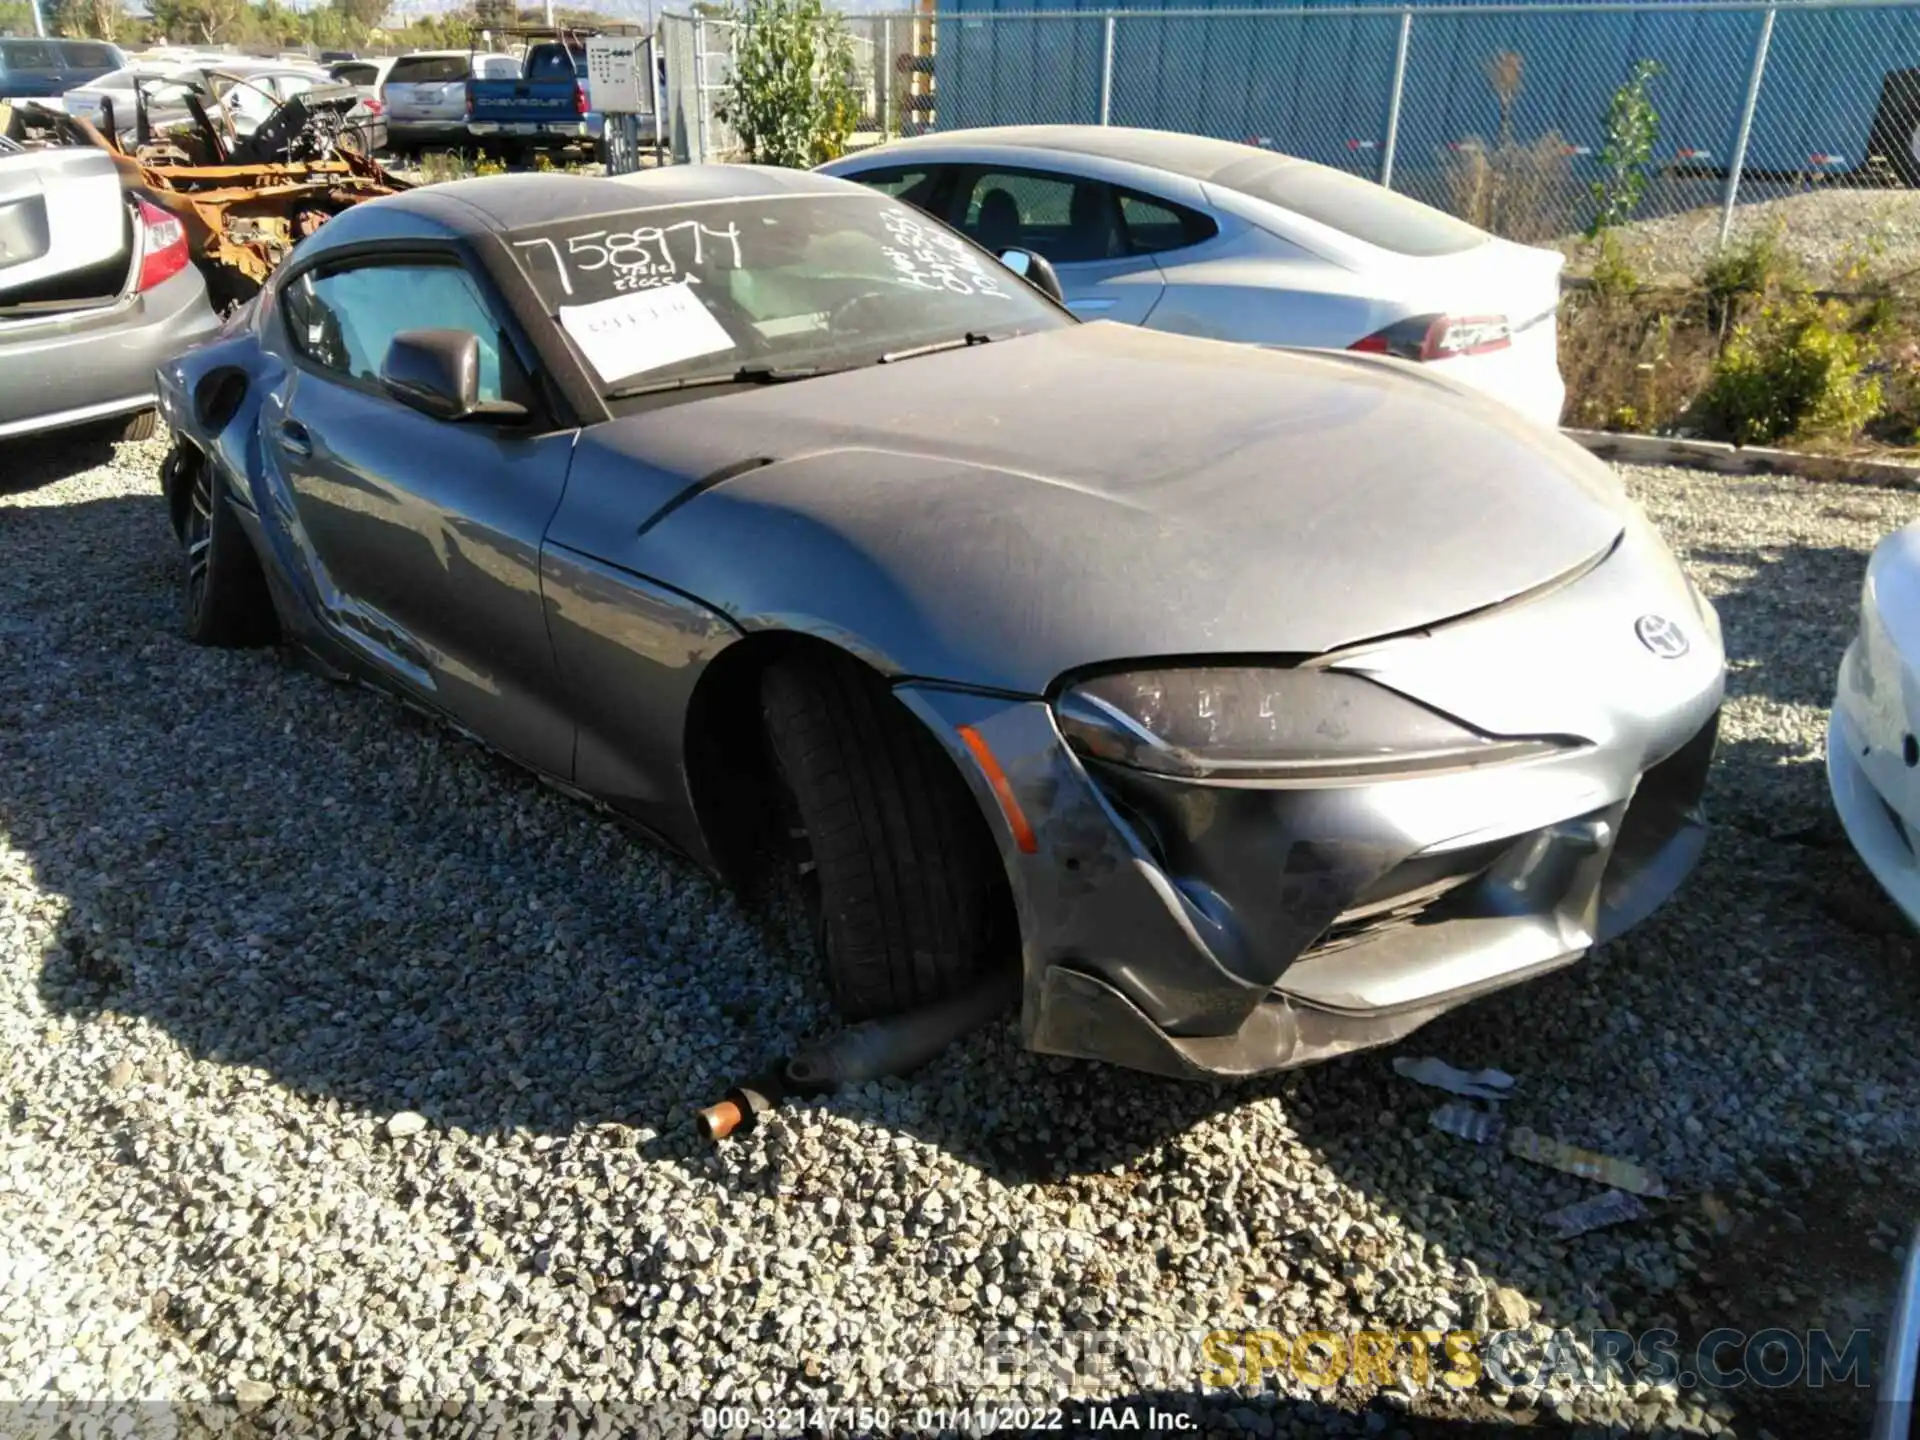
column 1247, row 723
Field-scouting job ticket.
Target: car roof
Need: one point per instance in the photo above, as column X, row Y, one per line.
column 439, row 54
column 511, row 202
column 1200, row 156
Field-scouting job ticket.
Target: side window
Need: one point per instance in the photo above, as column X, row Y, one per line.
column 289, row 86
column 911, row 183
column 1063, row 217
column 249, row 101
column 1155, row 225
column 344, row 320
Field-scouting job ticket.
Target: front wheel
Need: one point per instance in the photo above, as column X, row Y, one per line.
column 227, row 601
column 913, row 904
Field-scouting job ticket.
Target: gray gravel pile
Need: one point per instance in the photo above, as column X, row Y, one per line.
column 339, row 1057
column 1824, row 231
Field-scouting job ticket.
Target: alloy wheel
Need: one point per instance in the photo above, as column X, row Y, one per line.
column 199, row 537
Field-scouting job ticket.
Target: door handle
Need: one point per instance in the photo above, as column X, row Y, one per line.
column 294, row 438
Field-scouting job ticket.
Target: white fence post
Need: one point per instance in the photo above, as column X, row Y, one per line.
column 700, row 89
column 1393, row 100
column 1106, row 73
column 883, row 77
column 1739, row 160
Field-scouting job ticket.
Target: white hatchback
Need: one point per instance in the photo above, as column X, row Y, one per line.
column 1208, row 237
column 1873, row 733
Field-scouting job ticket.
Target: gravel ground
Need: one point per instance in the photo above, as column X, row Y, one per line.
column 342, row 1060
column 1824, row 230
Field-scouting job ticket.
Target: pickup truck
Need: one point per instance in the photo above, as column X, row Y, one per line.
column 549, row 106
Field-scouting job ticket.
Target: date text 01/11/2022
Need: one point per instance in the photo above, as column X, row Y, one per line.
column 981, row 1419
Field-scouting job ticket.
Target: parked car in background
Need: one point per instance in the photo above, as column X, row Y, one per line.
column 328, row 56
column 548, row 106
column 1873, row 733
column 368, row 75
column 96, row 289
column 47, row 69
column 240, row 95
column 115, row 93
column 1207, row 237
column 426, row 95
column 1263, row 704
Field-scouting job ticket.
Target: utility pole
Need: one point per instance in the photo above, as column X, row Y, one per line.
column 39, row 25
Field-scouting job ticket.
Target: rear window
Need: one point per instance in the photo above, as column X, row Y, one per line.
column 427, row 69
column 1351, row 205
column 357, row 74
column 551, row 62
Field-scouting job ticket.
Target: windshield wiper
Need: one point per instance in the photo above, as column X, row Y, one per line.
column 758, row 373
column 972, row 337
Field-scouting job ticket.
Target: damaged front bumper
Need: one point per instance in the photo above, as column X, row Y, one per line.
column 1204, row 928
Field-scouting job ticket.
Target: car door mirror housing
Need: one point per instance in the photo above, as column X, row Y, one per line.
column 437, row 372
column 1037, row 271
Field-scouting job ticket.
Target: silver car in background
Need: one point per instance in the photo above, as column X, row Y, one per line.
column 425, row 94
column 96, row 290
column 1207, row 237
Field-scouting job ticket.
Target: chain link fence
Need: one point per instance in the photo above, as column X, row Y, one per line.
column 1496, row 112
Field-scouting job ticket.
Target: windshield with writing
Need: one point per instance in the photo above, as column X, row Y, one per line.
column 787, row 284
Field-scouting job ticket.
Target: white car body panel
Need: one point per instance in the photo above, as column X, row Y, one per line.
column 1876, row 719
column 1275, row 277
column 76, row 193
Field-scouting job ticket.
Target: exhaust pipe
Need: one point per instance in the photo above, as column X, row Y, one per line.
column 868, row 1051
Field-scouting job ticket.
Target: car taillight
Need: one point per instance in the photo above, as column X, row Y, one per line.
column 469, row 104
column 579, row 99
column 163, row 246
column 1438, row 337
column 374, row 107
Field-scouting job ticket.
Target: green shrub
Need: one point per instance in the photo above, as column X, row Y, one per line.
column 791, row 99
column 1759, row 268
column 1799, row 371
column 1612, row 273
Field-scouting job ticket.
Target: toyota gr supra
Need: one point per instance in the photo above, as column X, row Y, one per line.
column 1262, row 705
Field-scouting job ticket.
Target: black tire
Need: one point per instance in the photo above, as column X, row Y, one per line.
column 1896, row 124
column 227, row 601
column 912, row 901
column 141, row 426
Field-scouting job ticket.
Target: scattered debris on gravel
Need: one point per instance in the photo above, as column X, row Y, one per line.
column 337, row 1057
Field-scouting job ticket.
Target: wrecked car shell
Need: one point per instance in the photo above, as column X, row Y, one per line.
column 243, row 212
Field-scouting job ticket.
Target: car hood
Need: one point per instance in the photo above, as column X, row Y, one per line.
column 1000, row 514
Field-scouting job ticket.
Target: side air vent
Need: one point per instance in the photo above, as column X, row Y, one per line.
column 216, row 399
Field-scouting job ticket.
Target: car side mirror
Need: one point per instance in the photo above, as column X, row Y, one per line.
column 1037, row 271
column 437, row 372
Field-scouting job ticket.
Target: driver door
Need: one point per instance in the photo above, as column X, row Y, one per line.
column 423, row 535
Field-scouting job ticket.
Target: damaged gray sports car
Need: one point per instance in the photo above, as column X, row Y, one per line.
column 1259, row 705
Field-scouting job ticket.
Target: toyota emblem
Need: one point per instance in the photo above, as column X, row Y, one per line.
column 1661, row 636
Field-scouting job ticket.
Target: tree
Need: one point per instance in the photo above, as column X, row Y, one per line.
column 360, row 15
column 1633, row 128
column 791, row 99
column 204, row 22
column 495, row 15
